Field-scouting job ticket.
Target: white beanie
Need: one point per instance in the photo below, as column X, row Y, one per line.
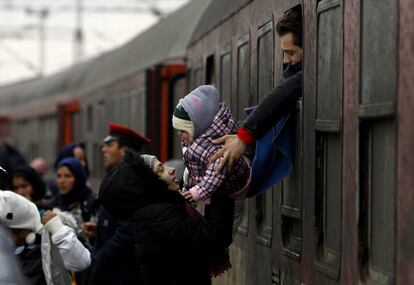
column 16, row 212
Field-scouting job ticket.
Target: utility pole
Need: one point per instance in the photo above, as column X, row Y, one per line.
column 78, row 37
column 42, row 14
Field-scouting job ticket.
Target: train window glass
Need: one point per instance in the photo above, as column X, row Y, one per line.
column 264, row 218
column 378, row 55
column 126, row 110
column 291, row 206
column 89, row 116
column 133, row 107
column 210, row 70
column 264, row 202
column 265, row 60
column 179, row 91
column 142, row 111
column 329, row 103
column 377, row 201
column 225, row 75
column 190, row 80
column 197, row 77
column 117, row 109
column 243, row 77
column 328, row 188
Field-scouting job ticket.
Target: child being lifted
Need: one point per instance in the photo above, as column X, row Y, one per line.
column 199, row 118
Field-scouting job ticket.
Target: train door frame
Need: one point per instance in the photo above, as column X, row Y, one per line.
column 66, row 124
column 159, row 104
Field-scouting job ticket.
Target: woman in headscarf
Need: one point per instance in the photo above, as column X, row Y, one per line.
column 74, row 195
column 75, row 150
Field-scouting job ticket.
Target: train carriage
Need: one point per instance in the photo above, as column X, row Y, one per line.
column 335, row 219
column 344, row 214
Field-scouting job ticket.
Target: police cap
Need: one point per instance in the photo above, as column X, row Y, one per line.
column 126, row 136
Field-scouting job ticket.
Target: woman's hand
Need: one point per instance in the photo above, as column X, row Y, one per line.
column 47, row 216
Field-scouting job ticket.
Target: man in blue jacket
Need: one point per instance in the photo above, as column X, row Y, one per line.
column 113, row 255
column 278, row 102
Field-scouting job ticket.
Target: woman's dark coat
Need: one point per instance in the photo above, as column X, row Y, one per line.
column 171, row 247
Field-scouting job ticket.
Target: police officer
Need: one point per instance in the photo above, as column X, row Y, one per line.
column 113, row 255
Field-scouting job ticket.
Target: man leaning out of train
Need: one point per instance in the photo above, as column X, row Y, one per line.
column 278, row 102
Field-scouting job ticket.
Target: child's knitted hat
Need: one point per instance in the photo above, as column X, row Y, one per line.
column 181, row 121
column 201, row 105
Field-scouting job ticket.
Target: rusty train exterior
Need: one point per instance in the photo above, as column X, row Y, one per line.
column 344, row 215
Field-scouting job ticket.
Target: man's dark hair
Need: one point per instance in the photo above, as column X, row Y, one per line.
column 291, row 22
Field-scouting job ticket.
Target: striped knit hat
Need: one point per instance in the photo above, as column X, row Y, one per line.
column 181, row 121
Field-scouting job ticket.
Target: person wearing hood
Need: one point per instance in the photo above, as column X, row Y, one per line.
column 75, row 150
column 199, row 117
column 218, row 260
column 279, row 102
column 171, row 247
column 74, row 195
column 48, row 253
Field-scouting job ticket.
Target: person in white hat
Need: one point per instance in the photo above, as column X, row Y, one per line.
column 60, row 250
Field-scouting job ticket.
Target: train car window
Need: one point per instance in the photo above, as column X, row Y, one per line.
column 378, row 73
column 240, row 102
column 243, row 78
column 133, row 106
column 89, row 116
column 141, row 113
column 328, row 190
column 189, row 75
column 210, row 70
column 264, row 61
column 179, row 91
column 225, row 75
column 264, row 202
column 125, row 110
column 291, row 205
column 197, row 77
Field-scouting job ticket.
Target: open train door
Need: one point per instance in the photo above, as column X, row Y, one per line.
column 164, row 86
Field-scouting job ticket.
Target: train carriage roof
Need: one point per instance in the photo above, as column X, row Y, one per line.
column 217, row 12
column 166, row 40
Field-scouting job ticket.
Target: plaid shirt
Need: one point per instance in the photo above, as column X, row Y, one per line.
column 203, row 181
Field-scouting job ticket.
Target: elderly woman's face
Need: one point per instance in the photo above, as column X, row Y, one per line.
column 167, row 174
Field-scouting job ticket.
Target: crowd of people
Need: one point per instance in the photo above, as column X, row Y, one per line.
column 144, row 225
